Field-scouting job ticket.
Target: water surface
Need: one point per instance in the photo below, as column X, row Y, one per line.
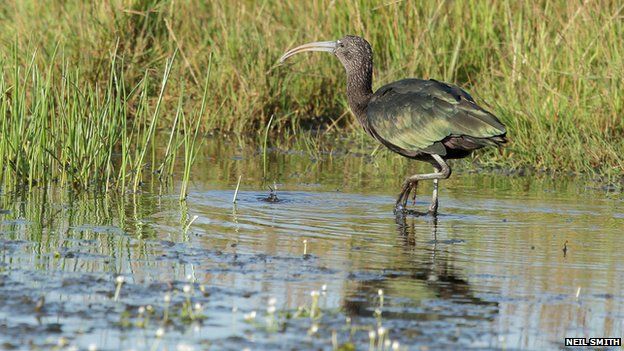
column 489, row 272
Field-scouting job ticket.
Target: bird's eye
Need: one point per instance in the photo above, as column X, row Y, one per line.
column 340, row 44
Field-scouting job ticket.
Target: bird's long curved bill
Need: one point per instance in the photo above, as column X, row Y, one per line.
column 328, row 46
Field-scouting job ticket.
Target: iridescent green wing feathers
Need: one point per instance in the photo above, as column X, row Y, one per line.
column 417, row 115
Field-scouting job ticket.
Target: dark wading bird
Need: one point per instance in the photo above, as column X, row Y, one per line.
column 425, row 120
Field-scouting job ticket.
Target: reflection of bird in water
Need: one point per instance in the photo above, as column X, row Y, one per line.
column 432, row 278
column 425, row 120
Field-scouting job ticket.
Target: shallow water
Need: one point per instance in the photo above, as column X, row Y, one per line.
column 489, row 273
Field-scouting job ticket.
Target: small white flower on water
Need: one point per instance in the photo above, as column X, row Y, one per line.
column 198, row 306
column 272, row 301
column 314, row 329
column 186, row 288
column 380, row 292
column 271, row 309
column 234, row 309
column 167, row 298
column 119, row 279
column 141, row 310
column 324, row 287
column 62, row 341
column 314, row 293
column 250, row 316
column 348, row 320
column 371, row 334
column 381, row 331
column 184, row 347
column 387, row 344
column 189, row 278
column 246, row 349
column 73, row 348
column 160, row 332
column 377, row 311
column 92, row 347
column 395, row 345
column 149, row 308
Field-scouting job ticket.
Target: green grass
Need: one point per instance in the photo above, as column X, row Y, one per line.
column 58, row 128
column 551, row 70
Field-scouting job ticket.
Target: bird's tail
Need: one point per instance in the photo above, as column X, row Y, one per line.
column 469, row 143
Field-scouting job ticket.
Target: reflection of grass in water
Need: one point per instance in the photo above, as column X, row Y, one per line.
column 182, row 307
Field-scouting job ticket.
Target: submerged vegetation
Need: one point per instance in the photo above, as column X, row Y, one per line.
column 87, row 85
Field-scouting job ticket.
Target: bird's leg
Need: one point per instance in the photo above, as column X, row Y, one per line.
column 414, row 187
column 403, row 196
column 442, row 172
column 433, row 208
column 410, row 185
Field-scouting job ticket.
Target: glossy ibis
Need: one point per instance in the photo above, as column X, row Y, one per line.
column 425, row 120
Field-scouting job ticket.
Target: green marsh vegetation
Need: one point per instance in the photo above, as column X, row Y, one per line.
column 86, row 86
column 57, row 129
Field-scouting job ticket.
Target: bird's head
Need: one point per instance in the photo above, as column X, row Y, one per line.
column 354, row 52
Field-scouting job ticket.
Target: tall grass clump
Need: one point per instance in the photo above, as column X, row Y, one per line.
column 551, row 69
column 57, row 127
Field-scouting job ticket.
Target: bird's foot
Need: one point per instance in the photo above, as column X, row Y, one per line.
column 401, row 203
column 409, row 187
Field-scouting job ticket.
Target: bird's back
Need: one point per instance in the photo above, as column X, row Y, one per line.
column 416, row 117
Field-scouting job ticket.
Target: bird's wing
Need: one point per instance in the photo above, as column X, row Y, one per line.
column 417, row 115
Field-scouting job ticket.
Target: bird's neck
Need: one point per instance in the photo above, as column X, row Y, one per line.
column 359, row 92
